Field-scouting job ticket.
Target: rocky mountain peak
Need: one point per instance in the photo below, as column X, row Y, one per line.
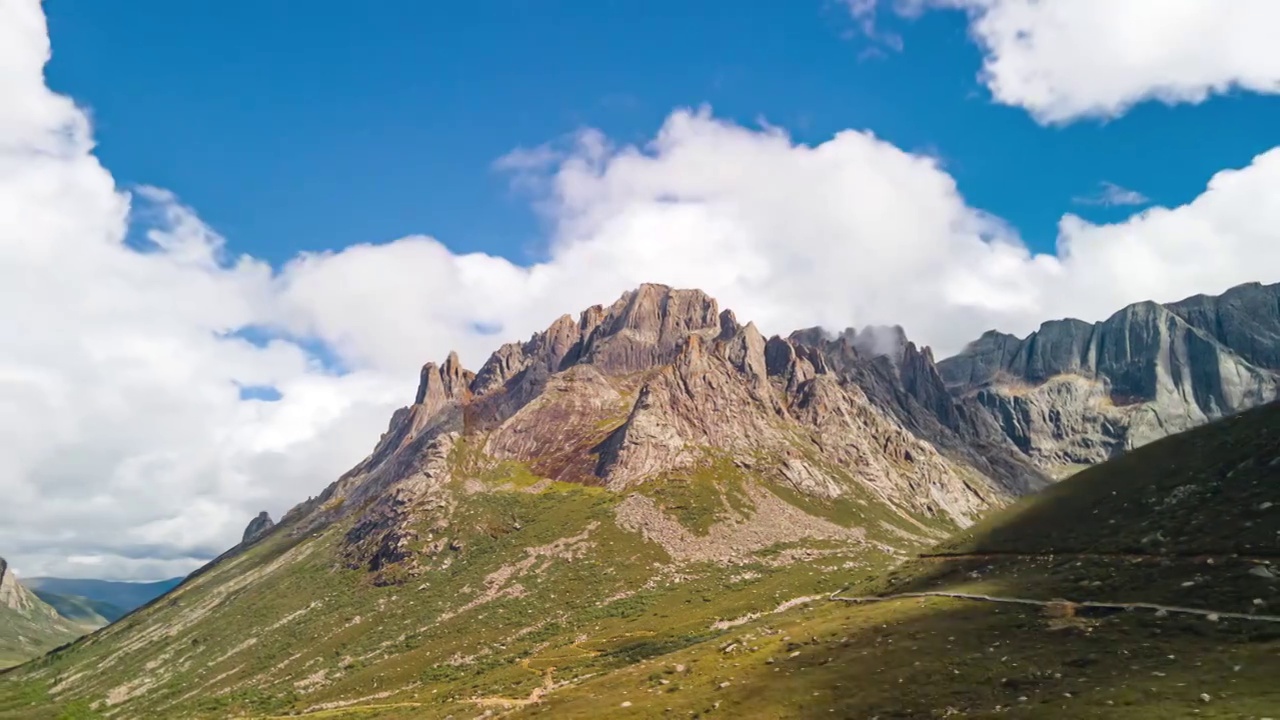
column 662, row 381
column 440, row 384
column 258, row 527
column 12, row 594
column 642, row 330
column 646, row 327
column 1245, row 319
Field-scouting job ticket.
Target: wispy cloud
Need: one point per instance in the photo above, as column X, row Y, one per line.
column 1110, row 194
column 863, row 13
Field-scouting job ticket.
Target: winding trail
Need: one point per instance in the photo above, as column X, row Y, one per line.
column 1042, row 603
column 941, row 557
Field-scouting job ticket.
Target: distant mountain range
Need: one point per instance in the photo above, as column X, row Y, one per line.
column 112, row 600
column 651, row 506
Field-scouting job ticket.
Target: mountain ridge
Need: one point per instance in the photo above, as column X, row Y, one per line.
column 647, row 386
column 653, row 456
column 1077, row 393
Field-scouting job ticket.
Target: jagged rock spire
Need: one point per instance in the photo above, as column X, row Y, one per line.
column 258, row 527
column 440, row 384
column 12, row 594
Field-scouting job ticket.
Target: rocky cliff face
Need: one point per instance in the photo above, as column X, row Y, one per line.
column 12, row 595
column 903, row 381
column 1078, row 393
column 660, row 383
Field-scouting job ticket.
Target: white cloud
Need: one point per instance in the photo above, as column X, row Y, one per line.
column 864, row 13
column 123, row 435
column 1110, row 194
column 1067, row 59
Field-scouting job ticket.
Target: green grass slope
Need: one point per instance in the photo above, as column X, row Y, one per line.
column 1213, row 490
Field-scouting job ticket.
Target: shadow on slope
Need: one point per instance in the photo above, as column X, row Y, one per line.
column 1214, row 490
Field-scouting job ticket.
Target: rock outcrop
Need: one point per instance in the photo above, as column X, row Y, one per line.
column 1078, row 393
column 12, row 595
column 258, row 527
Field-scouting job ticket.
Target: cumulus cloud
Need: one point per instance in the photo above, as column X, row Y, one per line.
column 128, row 449
column 1110, row 194
column 124, row 444
column 1064, row 60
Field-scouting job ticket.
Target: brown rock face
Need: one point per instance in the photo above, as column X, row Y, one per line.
column 904, row 382
column 440, row 385
column 556, row 432
column 646, row 328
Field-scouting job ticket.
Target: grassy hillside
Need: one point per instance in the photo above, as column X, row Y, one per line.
column 1212, row 490
column 939, row 658
column 534, row 584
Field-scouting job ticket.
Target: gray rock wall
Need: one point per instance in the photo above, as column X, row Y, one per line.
column 1074, row 392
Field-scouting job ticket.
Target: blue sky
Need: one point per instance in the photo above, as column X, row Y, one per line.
column 309, row 126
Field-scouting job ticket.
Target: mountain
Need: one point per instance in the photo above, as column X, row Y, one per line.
column 621, row 485
column 107, row 598
column 28, row 626
column 634, row 396
column 652, row 510
column 1075, row 393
